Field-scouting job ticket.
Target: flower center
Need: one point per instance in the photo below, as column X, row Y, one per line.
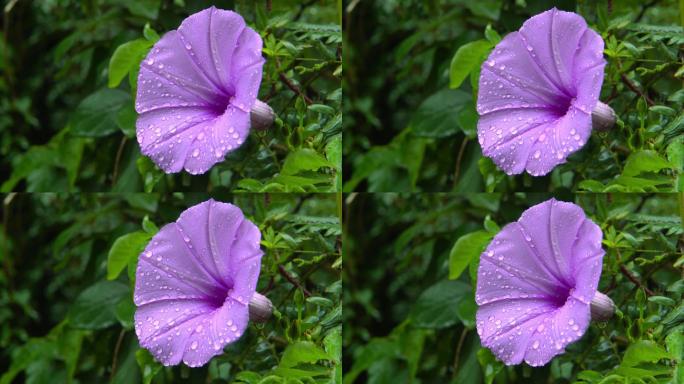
column 223, row 100
column 562, row 105
column 220, row 294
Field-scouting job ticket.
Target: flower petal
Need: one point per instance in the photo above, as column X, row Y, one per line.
column 549, row 74
column 211, row 144
column 247, row 68
column 169, row 78
column 196, row 89
column 566, row 325
column 210, row 38
column 535, row 283
column 194, row 283
column 164, row 328
column 167, row 270
column 554, row 37
column 208, row 338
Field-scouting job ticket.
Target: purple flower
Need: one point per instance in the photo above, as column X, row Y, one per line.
column 196, row 89
column 195, row 282
column 537, row 91
column 537, row 284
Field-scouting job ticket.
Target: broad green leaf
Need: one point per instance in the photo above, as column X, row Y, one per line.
column 437, row 306
column 492, row 35
column 97, row 114
column 95, row 307
column 124, row 249
column 438, row 115
column 333, row 151
column 675, row 153
column 145, row 8
column 465, row 249
column 643, row 351
column 644, row 161
column 491, row 366
column 149, row 226
column 675, row 345
column 467, row 57
column 302, row 352
column 125, row 311
column 375, row 350
column 150, row 34
column 148, row 365
column 304, row 160
column 125, row 57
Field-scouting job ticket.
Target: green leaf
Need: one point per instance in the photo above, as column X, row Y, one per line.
column 304, row 160
column 124, row 249
column 468, row 57
column 150, row 34
column 492, row 35
column 675, row 345
column 490, row 9
column 144, row 8
column 149, row 226
column 333, row 151
column 302, row 352
column 662, row 300
column 675, row 154
column 437, row 306
column 125, row 311
column 95, row 307
column 96, row 116
column 465, row 249
column 643, row 351
column 644, row 161
column 438, row 115
column 125, row 57
column 491, row 366
column 148, row 365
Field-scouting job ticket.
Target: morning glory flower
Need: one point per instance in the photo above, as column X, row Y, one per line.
column 537, row 284
column 195, row 284
column 538, row 90
column 197, row 87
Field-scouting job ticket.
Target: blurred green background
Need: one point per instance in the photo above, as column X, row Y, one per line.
column 409, row 312
column 410, row 120
column 68, row 124
column 66, row 311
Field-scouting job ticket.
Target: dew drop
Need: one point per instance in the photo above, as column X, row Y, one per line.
column 193, row 346
column 195, row 153
column 535, row 345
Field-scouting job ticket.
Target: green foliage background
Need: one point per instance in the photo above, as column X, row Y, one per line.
column 410, row 119
column 69, row 71
column 66, row 289
column 411, row 264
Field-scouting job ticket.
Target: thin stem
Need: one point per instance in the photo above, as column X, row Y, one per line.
column 635, row 280
column 116, row 352
column 636, row 89
column 459, row 346
column 294, row 88
column 631, row 276
column 459, row 158
column 292, row 280
column 115, row 174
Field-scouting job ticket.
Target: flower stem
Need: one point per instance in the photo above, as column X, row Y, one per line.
column 262, row 116
column 602, row 117
column 602, row 307
column 260, row 308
